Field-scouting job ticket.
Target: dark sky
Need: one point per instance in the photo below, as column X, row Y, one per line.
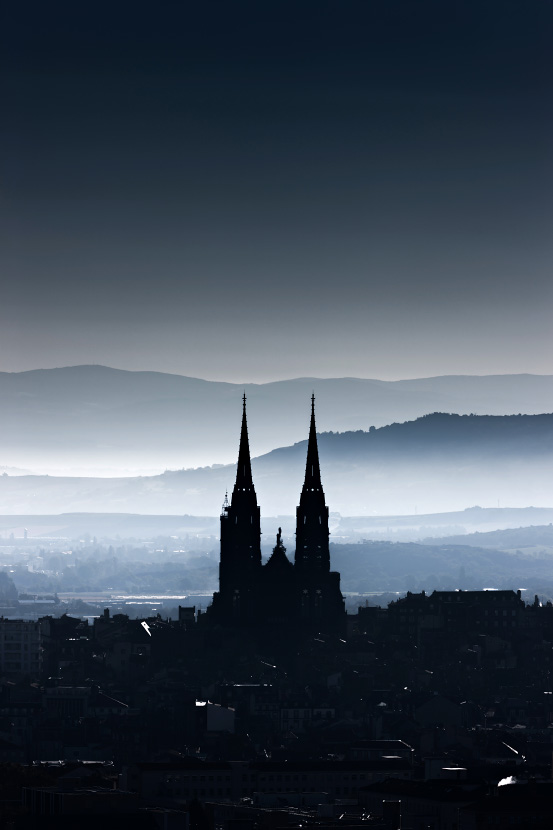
column 251, row 191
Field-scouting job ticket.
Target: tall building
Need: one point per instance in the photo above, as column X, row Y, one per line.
column 305, row 594
column 240, row 562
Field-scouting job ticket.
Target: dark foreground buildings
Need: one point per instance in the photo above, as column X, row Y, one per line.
column 435, row 713
column 280, row 595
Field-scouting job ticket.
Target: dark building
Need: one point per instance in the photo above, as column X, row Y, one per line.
column 240, row 562
column 305, row 594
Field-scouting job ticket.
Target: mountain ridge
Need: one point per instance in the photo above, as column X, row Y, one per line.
column 105, row 420
column 416, row 466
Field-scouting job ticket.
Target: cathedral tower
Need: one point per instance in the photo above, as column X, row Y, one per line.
column 240, row 562
column 312, row 554
column 279, row 597
column 319, row 599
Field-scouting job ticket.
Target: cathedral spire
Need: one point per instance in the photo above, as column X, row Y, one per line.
column 312, row 468
column 240, row 563
column 312, row 552
column 244, row 481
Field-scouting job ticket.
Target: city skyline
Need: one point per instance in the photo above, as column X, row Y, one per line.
column 289, row 190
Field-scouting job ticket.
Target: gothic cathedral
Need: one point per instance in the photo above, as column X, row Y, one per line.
column 304, row 595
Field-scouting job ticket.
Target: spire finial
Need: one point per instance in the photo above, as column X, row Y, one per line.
column 244, row 402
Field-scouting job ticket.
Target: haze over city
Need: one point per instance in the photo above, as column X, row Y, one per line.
column 276, row 415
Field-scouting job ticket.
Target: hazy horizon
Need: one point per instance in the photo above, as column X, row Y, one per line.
column 102, row 425
column 242, row 380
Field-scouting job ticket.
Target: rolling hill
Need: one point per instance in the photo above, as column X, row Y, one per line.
column 93, row 420
column 436, row 463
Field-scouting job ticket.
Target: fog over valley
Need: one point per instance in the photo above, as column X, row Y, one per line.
column 431, row 483
column 96, row 421
column 276, row 415
column 440, row 462
column 141, row 564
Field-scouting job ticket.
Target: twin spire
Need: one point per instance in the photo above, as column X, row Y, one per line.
column 244, row 480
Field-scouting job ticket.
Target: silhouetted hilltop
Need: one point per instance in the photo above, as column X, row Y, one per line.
column 434, row 435
column 540, row 536
column 411, row 566
column 473, row 526
column 434, row 464
column 93, row 418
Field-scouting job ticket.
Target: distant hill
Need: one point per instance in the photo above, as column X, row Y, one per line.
column 435, row 435
column 388, row 566
column 95, row 420
column 517, row 527
column 365, row 568
column 473, row 526
column 535, row 537
column 436, row 463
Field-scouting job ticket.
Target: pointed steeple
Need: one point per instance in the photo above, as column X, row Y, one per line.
column 321, row 604
column 312, row 552
column 244, row 481
column 312, row 468
column 240, row 561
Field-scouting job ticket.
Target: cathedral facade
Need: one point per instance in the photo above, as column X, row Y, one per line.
column 303, row 594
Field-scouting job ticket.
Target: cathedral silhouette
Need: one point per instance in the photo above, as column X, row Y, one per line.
column 304, row 595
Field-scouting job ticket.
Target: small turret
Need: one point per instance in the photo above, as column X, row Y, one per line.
column 278, row 561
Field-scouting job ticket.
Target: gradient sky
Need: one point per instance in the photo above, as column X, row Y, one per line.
column 251, row 191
